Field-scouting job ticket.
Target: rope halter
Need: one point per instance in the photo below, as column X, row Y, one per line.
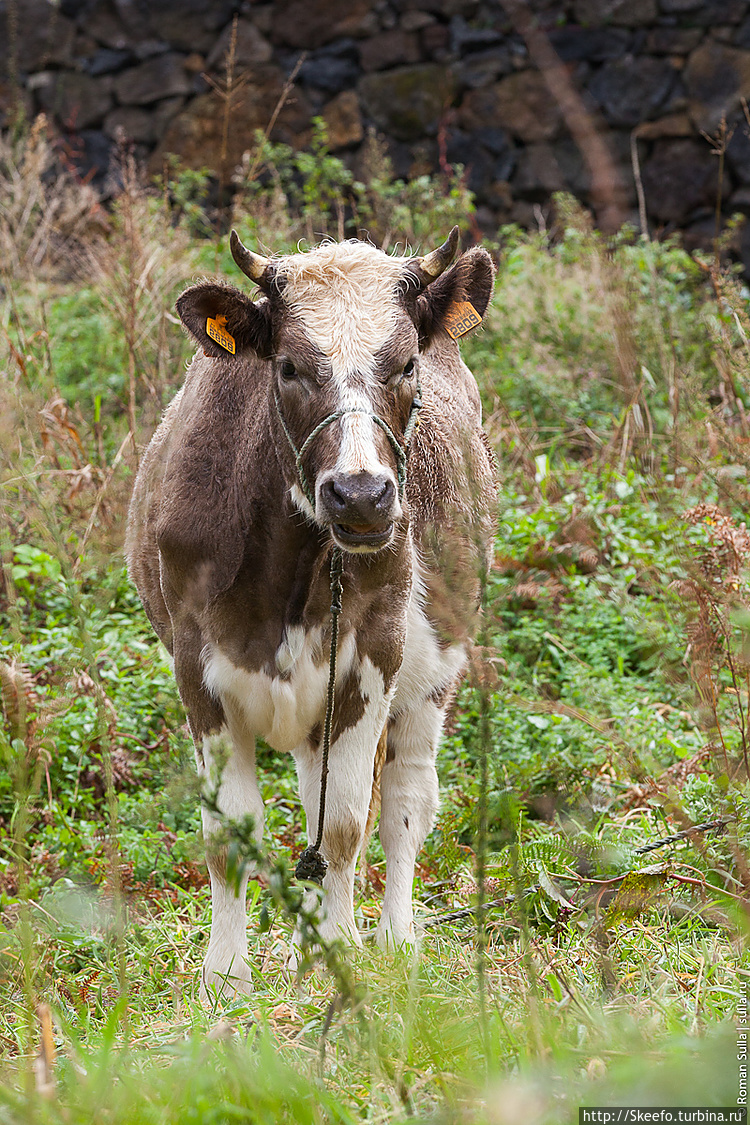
column 400, row 449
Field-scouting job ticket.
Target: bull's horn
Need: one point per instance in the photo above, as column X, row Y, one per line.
column 258, row 269
column 433, row 264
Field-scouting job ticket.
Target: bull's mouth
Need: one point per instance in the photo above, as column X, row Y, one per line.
column 369, row 537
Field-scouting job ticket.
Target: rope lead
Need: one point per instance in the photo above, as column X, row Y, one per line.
column 311, row 865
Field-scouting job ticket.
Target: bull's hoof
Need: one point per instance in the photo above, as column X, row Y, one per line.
column 220, row 985
column 390, row 936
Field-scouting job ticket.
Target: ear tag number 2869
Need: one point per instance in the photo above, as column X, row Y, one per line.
column 461, row 318
column 217, row 331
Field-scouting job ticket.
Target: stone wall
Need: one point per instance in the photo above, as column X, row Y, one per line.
column 440, row 80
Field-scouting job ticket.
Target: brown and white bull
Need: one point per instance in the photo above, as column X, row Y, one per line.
column 234, row 517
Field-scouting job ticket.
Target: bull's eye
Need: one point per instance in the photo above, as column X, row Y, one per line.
column 288, row 370
column 408, row 369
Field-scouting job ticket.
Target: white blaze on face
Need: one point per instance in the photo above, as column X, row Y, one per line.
column 344, row 293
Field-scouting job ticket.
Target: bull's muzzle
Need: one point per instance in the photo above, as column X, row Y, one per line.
column 362, row 509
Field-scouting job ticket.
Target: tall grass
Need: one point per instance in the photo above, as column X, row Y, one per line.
column 559, row 964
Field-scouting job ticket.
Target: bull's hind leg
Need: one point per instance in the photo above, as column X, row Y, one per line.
column 229, row 761
column 409, row 801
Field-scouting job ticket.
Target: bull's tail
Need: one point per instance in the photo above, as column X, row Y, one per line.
column 372, row 813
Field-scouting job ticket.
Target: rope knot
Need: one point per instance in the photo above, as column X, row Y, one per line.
column 311, row 866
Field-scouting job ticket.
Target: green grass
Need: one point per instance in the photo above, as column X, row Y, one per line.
column 611, row 975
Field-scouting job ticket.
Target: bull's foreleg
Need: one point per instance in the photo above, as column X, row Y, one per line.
column 228, row 760
column 409, row 801
column 350, row 777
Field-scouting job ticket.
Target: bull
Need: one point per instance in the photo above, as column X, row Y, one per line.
column 293, row 437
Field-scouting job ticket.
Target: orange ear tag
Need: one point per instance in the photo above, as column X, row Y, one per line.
column 461, row 318
column 217, row 331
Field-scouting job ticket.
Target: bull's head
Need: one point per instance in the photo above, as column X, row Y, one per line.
column 339, row 333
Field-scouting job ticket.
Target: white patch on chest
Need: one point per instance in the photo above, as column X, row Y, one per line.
column 426, row 666
column 280, row 709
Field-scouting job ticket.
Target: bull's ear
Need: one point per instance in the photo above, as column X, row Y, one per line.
column 224, row 321
column 444, row 304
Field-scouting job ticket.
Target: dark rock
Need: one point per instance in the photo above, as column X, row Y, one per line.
column 161, row 77
column 250, row 47
column 496, row 140
column 465, row 37
column 543, row 169
column 196, row 132
column 521, row 103
column 483, row 168
column 483, row 67
column 679, row 179
column 679, row 5
column 308, row 24
column 105, row 25
column 742, row 35
column 76, row 100
column 630, row 90
column 408, row 102
column 390, row 48
column 415, row 21
column 435, row 40
column 131, row 122
column 90, row 153
column 713, row 13
column 673, row 40
column 44, row 37
column 150, row 48
column 738, row 150
column 716, row 79
column 326, row 72
column 343, row 121
column 189, row 25
column 107, row 61
column 624, row 13
column 592, row 44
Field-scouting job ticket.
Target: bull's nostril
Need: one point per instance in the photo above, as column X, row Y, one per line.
column 384, row 497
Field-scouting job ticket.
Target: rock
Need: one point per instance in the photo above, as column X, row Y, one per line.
column 44, row 37
column 679, row 5
column 626, row 13
column 673, row 125
column 590, row 43
column 484, row 168
column 742, row 35
column 630, row 90
column 161, row 77
column 539, row 172
column 308, row 24
column 716, row 79
column 466, row 37
column 329, row 73
column 133, row 123
column 195, row 134
column 250, row 48
column 483, row 67
column 391, row 48
column 194, row 63
column 713, row 13
column 90, row 153
column 343, row 121
column 150, row 48
column 435, row 40
column 673, row 40
column 522, row 104
column 189, row 25
column 738, row 150
column 107, row 61
column 415, row 21
column 104, row 25
column 76, row 100
column 679, row 179
column 408, row 102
